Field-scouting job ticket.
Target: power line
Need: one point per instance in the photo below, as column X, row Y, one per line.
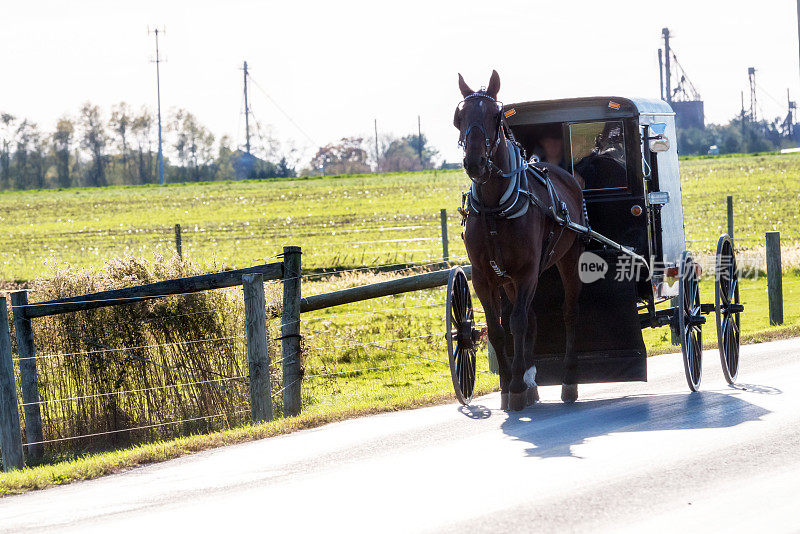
column 283, row 112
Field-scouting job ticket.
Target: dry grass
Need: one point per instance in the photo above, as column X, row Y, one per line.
column 160, row 361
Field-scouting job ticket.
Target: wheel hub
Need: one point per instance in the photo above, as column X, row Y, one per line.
column 466, row 334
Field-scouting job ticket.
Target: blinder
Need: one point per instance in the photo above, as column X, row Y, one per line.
column 462, row 140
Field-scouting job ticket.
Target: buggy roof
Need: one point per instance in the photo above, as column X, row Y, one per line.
column 585, row 108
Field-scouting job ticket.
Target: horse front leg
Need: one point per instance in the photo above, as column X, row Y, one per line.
column 523, row 329
column 490, row 300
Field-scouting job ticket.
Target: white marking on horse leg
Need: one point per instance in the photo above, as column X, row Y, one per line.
column 530, row 377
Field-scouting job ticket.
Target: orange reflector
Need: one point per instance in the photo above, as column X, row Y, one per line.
column 636, row 210
column 510, row 113
column 613, row 105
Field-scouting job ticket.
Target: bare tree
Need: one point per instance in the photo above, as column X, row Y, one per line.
column 142, row 130
column 94, row 140
column 28, row 158
column 62, row 141
column 7, row 121
column 120, row 124
column 193, row 143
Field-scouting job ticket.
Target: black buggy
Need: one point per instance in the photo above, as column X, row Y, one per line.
column 625, row 151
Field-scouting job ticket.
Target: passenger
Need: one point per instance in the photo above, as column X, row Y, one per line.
column 549, row 146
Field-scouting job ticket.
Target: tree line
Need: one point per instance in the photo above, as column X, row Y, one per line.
column 93, row 150
column 740, row 135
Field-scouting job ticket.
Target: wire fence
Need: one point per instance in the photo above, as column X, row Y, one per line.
column 135, row 372
column 173, row 365
column 343, row 242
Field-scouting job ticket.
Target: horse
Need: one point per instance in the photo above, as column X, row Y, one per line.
column 509, row 246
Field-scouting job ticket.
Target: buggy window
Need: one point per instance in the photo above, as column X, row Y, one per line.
column 598, row 154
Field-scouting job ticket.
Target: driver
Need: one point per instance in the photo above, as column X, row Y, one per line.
column 549, row 146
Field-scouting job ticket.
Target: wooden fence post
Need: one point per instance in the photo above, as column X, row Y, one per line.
column 445, row 244
column 255, row 323
column 774, row 278
column 29, row 381
column 730, row 217
column 10, row 433
column 178, row 241
column 290, row 331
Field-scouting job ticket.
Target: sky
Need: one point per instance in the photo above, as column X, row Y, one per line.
column 334, row 67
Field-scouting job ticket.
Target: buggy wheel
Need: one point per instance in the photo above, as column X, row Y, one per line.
column 690, row 320
column 461, row 335
column 727, row 307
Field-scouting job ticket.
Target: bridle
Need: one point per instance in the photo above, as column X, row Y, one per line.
column 489, row 146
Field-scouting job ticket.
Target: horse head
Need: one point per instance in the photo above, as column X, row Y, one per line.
column 479, row 122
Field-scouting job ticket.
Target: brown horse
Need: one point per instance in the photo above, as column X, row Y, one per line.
column 508, row 253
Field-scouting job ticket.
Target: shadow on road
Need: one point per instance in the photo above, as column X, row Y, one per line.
column 475, row 411
column 553, row 428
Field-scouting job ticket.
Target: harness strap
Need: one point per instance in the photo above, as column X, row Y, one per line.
column 496, row 255
column 515, row 202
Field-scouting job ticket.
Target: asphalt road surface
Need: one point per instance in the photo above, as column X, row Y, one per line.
column 640, row 457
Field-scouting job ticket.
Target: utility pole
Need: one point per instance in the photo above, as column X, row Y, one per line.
column 798, row 21
column 744, row 136
column 246, row 112
column 158, row 90
column 419, row 140
column 667, row 73
column 661, row 72
column 751, row 75
column 377, row 154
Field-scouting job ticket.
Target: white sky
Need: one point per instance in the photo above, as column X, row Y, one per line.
column 335, row 66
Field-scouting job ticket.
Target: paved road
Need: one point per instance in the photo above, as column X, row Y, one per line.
column 625, row 458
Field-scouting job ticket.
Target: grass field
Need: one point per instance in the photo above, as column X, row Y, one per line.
column 376, row 355
column 342, row 221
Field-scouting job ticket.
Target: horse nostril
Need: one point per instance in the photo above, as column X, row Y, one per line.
column 483, row 161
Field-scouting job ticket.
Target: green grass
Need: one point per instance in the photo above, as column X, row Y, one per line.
column 345, row 221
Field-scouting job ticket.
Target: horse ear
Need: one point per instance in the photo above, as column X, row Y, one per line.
column 465, row 90
column 457, row 118
column 494, row 85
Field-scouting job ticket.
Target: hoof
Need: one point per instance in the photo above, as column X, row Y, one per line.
column 569, row 392
column 504, row 401
column 516, row 401
column 532, row 396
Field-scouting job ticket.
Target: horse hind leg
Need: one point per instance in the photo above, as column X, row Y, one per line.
column 521, row 327
column 508, row 342
column 568, row 269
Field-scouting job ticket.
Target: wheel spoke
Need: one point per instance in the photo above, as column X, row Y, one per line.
column 471, row 372
column 465, row 297
column 465, row 373
column 698, row 357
